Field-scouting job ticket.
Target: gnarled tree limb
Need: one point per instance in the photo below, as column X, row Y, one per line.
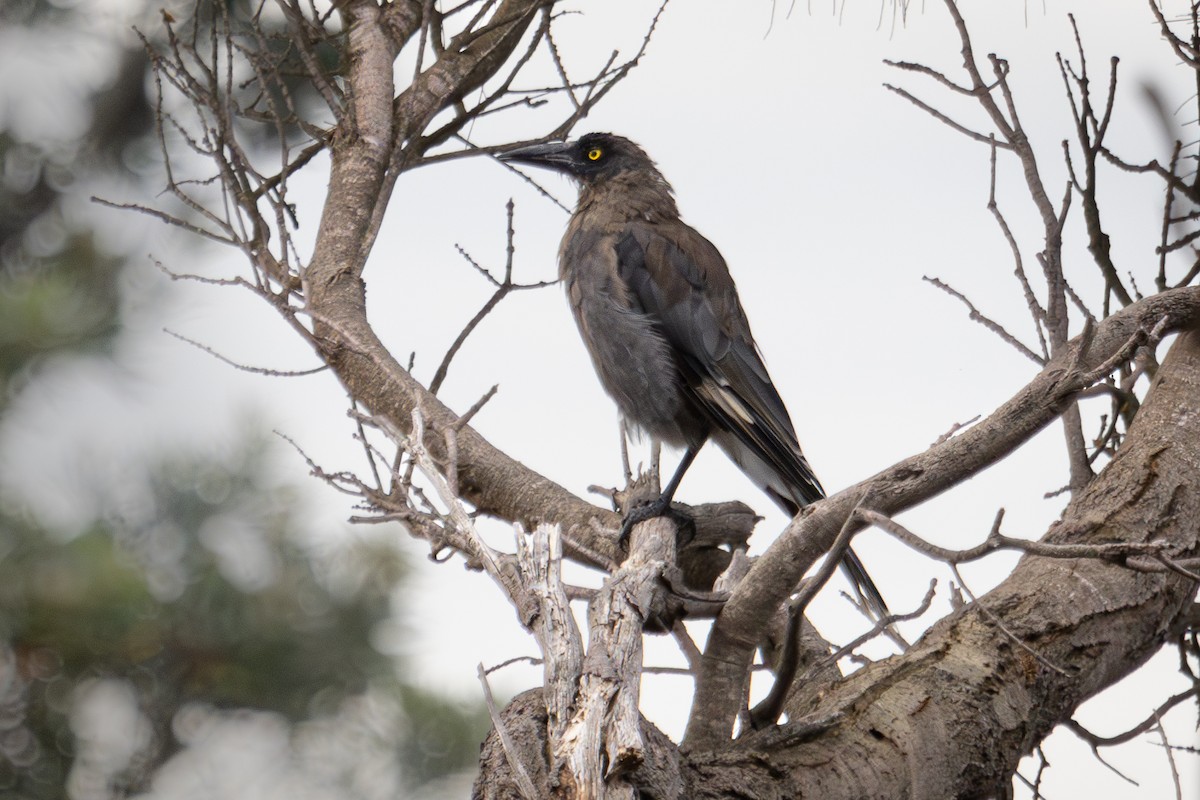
column 952, row 716
column 774, row 576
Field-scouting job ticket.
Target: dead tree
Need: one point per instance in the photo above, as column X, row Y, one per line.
column 1108, row 585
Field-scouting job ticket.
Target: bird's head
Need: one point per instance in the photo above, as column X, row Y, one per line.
column 590, row 159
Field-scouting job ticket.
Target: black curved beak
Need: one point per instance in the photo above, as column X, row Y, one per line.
column 555, row 155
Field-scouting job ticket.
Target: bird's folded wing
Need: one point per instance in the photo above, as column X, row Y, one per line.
column 680, row 279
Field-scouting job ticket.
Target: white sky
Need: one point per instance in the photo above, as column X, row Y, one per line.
column 830, row 199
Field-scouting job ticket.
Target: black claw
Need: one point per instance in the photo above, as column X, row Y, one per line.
column 660, row 507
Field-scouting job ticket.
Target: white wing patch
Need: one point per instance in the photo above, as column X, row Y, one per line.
column 727, row 401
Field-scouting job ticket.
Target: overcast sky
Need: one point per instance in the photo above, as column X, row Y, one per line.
column 830, row 198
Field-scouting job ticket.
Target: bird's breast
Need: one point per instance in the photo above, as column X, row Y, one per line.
column 633, row 360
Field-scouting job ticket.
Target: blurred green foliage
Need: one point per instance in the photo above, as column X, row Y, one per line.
column 203, row 597
column 58, row 292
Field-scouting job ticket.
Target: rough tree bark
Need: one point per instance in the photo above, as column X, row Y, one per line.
column 952, row 716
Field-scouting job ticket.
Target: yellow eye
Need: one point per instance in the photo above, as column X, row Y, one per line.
column 594, row 154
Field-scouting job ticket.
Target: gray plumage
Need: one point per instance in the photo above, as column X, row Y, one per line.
column 660, row 316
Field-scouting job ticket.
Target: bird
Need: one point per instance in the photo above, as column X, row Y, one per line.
column 660, row 316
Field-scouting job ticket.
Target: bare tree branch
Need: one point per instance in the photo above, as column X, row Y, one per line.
column 909, row 482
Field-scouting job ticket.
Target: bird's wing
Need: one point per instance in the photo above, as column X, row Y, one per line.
column 680, row 278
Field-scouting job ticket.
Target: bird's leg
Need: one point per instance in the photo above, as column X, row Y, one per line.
column 662, row 504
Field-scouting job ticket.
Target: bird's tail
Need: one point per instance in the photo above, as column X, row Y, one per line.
column 852, row 566
column 789, row 481
column 866, row 589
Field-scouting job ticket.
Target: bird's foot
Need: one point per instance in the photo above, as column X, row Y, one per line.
column 658, row 507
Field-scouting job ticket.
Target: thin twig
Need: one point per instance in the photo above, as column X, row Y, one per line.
column 1108, row 551
column 532, row 660
column 475, row 408
column 1162, row 734
column 878, row 629
column 989, row 139
column 274, row 373
column 520, row 776
column 955, row 428
column 770, row 707
column 988, row 322
column 987, row 613
column 1095, row 741
column 688, row 647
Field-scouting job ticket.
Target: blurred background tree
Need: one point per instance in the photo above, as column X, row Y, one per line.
column 195, row 634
